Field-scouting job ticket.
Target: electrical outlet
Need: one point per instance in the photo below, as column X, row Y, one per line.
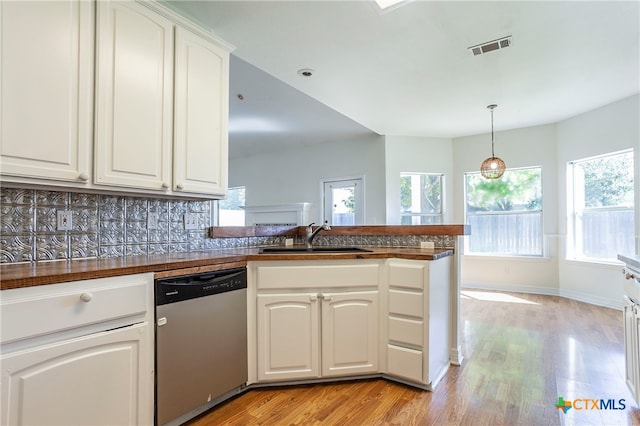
column 190, row 221
column 427, row 244
column 63, row 222
column 288, row 241
column 152, row 221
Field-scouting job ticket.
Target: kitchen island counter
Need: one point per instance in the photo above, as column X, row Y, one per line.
column 42, row 273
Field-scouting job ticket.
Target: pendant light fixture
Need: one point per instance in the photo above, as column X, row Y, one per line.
column 493, row 167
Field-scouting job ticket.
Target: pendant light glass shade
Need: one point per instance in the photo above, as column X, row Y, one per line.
column 493, row 167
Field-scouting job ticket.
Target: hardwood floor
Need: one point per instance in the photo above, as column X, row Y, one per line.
column 522, row 352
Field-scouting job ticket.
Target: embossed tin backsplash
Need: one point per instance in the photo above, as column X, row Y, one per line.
column 105, row 225
column 102, row 226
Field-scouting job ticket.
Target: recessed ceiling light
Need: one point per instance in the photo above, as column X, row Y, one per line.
column 305, row 72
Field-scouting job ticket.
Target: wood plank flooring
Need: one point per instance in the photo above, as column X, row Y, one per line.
column 522, row 352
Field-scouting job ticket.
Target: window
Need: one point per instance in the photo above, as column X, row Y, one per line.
column 230, row 212
column 505, row 214
column 601, row 206
column 421, row 198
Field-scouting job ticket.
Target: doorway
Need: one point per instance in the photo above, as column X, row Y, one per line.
column 343, row 201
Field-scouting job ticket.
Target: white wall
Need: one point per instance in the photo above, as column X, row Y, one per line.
column 531, row 146
column 611, row 128
column 608, row 129
column 294, row 175
column 416, row 155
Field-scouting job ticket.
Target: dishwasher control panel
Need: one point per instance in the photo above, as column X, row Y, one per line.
column 176, row 289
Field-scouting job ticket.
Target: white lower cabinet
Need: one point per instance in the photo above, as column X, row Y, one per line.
column 349, row 333
column 632, row 346
column 94, row 379
column 299, row 340
column 323, row 319
column 78, row 353
column 314, row 319
column 288, row 338
column 418, row 320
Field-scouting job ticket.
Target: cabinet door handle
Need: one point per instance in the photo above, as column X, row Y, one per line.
column 313, row 298
column 86, row 297
column 327, row 297
column 83, row 177
column 180, row 186
column 629, row 276
column 165, row 185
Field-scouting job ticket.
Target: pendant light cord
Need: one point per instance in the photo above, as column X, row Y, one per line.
column 492, row 154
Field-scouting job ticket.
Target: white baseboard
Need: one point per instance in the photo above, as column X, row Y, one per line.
column 547, row 291
column 550, row 291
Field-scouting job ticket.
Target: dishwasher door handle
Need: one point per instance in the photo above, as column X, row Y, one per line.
column 162, row 321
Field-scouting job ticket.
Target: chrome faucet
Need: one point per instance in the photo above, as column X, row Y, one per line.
column 311, row 234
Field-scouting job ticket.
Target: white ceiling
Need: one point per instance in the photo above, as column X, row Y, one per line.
column 408, row 71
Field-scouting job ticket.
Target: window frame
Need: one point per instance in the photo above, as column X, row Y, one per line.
column 574, row 248
column 541, row 212
column 439, row 216
column 215, row 219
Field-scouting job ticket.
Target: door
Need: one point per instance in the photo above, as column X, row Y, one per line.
column 47, row 89
column 134, row 96
column 99, row 379
column 288, row 337
column 349, row 333
column 343, row 201
column 201, row 111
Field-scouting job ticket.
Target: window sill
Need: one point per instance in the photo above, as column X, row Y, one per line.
column 507, row 257
column 596, row 262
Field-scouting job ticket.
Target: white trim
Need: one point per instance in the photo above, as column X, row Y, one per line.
column 551, row 291
column 323, row 181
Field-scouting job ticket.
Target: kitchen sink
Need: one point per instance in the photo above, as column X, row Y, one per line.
column 319, row 249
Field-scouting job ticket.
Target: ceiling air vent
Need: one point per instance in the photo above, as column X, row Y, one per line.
column 490, row 46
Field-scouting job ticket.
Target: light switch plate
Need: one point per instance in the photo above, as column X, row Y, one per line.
column 152, row 221
column 63, row 222
column 190, row 221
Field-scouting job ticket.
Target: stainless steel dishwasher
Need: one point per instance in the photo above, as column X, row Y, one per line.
column 201, row 342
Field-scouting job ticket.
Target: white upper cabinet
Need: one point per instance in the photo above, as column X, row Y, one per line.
column 46, row 95
column 201, row 115
column 159, row 122
column 161, row 104
column 134, row 96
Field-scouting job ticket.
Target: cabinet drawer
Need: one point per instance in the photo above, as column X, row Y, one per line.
column 34, row 311
column 409, row 275
column 404, row 362
column 317, row 274
column 406, row 303
column 403, row 330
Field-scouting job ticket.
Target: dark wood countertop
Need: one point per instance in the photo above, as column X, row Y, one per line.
column 42, row 273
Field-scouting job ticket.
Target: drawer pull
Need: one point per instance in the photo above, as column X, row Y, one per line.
column 629, row 276
column 86, row 297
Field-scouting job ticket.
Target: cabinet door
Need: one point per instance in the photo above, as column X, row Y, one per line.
column 349, row 333
column 288, row 336
column 631, row 343
column 46, row 96
column 201, row 115
column 104, row 378
column 134, row 101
